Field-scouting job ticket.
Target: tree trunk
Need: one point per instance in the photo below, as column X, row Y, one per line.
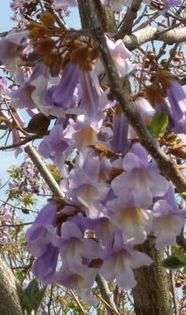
column 151, row 294
column 9, row 299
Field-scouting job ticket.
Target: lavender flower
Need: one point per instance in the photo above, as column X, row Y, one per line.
column 133, row 222
column 11, row 47
column 42, row 233
column 22, row 97
column 80, row 278
column 177, row 99
column 86, row 184
column 74, row 246
column 44, row 266
column 120, row 55
column 172, row 3
column 57, row 142
column 62, row 94
column 119, row 142
column 119, row 262
column 141, row 180
column 42, row 241
column 168, row 220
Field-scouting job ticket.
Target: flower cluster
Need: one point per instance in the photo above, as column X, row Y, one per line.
column 115, row 196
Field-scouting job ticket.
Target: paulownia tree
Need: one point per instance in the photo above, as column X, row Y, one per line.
column 106, row 103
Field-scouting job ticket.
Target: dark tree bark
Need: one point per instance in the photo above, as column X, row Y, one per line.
column 9, row 299
column 151, row 295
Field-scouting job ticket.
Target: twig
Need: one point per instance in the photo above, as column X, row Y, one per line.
column 106, row 304
column 127, row 23
column 18, row 144
column 106, row 294
column 50, row 299
column 78, row 302
column 16, row 207
column 16, row 225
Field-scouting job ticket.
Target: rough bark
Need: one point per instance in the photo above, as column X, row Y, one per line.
column 151, row 295
column 9, row 299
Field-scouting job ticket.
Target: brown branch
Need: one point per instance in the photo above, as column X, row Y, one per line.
column 127, row 23
column 166, row 166
column 16, row 225
column 18, row 144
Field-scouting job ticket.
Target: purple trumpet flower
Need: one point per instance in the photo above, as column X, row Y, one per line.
column 62, row 94
column 42, row 231
column 87, row 185
column 140, row 181
column 80, row 278
column 11, row 48
column 119, row 142
column 74, row 246
column 54, row 144
column 168, row 219
column 42, row 241
column 133, row 222
column 23, row 96
column 44, row 266
column 177, row 99
column 119, row 262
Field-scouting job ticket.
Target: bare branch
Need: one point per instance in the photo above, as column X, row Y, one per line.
column 18, row 144
column 106, row 294
column 178, row 35
column 127, row 23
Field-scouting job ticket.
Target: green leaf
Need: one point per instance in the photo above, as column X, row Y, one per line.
column 174, row 262
column 184, row 291
column 158, row 124
column 31, row 297
column 55, row 173
column 28, row 199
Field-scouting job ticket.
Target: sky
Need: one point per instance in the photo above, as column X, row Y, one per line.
column 5, row 22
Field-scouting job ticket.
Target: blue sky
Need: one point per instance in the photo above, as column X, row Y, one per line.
column 5, row 22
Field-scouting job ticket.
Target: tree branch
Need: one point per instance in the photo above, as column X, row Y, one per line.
column 106, row 294
column 127, row 23
column 9, row 299
column 166, row 166
column 178, row 35
column 45, row 173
